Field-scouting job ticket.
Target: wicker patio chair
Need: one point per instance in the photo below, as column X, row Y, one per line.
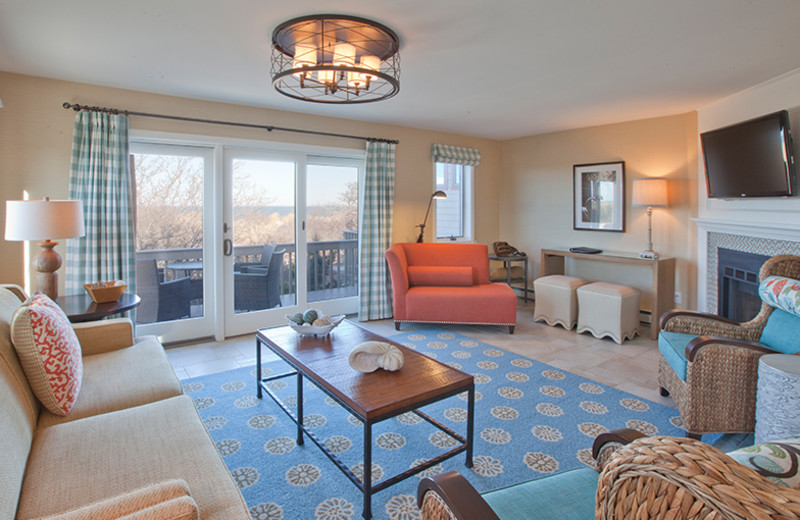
column 649, row 478
column 161, row 301
column 718, row 391
column 258, row 287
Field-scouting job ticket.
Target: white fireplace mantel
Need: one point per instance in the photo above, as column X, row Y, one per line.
column 756, row 229
column 777, row 231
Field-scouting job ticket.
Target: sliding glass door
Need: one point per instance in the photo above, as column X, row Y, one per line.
column 291, row 235
column 173, row 245
column 231, row 239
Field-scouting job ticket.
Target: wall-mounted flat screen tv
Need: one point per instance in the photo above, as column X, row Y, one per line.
column 750, row 159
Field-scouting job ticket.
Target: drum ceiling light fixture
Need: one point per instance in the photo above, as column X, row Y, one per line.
column 331, row 58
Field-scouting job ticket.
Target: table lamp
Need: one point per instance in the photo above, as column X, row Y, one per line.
column 651, row 193
column 438, row 194
column 44, row 220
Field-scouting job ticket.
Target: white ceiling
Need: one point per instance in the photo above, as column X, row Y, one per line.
column 498, row 69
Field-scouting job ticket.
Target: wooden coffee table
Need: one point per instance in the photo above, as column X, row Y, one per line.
column 372, row 397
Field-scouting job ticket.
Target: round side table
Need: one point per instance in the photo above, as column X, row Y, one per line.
column 778, row 398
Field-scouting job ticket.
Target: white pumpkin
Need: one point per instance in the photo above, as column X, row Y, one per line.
column 372, row 355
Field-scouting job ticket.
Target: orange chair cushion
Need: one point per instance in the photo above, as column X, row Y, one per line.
column 454, row 276
column 490, row 303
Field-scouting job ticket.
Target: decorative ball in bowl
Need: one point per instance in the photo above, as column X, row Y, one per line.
column 105, row 292
column 313, row 322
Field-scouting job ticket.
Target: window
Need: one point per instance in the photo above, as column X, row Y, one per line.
column 454, row 214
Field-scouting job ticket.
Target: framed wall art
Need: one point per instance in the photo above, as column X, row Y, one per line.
column 599, row 196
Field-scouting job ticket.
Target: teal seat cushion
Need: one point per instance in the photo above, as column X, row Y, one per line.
column 782, row 332
column 566, row 496
column 672, row 346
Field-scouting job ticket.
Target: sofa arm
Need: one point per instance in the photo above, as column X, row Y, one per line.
column 97, row 337
column 449, row 496
column 702, row 324
column 168, row 500
column 675, row 477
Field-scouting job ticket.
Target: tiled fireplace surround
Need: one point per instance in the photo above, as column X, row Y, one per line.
column 762, row 239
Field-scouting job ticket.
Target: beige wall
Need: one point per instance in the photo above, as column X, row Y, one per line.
column 536, row 193
column 36, row 140
column 524, row 186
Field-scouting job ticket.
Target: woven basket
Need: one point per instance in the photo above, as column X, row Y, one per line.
column 105, row 292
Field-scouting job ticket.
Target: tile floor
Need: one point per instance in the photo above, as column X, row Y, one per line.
column 632, row 366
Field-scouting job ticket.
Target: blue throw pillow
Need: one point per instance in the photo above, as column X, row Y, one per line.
column 782, row 332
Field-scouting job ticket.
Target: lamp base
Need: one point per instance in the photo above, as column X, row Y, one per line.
column 650, row 255
column 47, row 263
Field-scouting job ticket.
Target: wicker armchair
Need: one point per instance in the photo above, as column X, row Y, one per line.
column 649, row 478
column 717, row 393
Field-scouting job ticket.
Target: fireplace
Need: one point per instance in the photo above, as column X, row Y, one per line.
column 737, row 281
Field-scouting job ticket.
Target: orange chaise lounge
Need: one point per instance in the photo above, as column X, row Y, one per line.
column 448, row 283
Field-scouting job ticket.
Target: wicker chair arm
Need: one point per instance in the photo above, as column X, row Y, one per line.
column 674, row 477
column 449, row 496
column 699, row 324
column 694, row 346
column 606, row 444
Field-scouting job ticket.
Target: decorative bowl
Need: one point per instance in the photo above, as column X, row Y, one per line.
column 105, row 292
column 317, row 331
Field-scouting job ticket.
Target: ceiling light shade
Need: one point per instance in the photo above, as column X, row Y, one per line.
column 335, row 59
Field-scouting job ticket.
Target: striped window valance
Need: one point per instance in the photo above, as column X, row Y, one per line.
column 456, row 155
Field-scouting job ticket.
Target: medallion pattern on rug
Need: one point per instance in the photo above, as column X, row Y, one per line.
column 531, row 420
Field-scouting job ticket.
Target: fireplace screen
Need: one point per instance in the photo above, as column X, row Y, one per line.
column 738, row 284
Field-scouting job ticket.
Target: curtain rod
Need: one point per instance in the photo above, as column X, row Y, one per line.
column 116, row 111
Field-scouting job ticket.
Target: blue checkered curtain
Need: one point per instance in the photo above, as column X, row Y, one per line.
column 456, row 155
column 376, row 233
column 100, row 177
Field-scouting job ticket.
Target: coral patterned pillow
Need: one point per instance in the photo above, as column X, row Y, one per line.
column 781, row 292
column 49, row 352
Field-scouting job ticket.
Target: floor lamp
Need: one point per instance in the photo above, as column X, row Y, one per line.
column 44, row 220
column 438, row 194
column 651, row 193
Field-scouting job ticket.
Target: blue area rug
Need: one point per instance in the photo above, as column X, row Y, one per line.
column 531, row 420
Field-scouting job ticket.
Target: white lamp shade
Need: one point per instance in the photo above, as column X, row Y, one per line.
column 650, row 192
column 344, row 54
column 304, row 56
column 371, row 63
column 44, row 219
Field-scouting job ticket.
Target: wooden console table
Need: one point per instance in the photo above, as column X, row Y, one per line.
column 663, row 275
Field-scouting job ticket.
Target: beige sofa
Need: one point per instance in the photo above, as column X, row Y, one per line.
column 132, row 447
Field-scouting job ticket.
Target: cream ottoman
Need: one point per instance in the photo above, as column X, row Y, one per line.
column 609, row 309
column 556, row 302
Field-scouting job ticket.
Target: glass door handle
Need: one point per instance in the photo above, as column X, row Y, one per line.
column 227, row 247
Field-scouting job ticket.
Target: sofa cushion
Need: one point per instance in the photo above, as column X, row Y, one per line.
column 81, row 462
column 567, row 495
column 781, row 292
column 781, row 332
column 453, row 276
column 124, row 378
column 49, row 352
column 778, row 461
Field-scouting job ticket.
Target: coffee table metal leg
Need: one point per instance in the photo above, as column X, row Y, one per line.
column 470, row 423
column 367, row 513
column 259, row 393
column 299, row 408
